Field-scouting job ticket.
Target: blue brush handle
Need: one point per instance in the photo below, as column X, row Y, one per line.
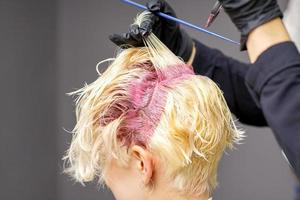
column 180, row 21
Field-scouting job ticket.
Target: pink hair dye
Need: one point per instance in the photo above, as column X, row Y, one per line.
column 148, row 97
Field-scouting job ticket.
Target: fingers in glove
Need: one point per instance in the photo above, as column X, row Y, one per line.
column 135, row 34
column 162, row 6
column 147, row 26
column 155, row 6
column 119, row 40
column 132, row 38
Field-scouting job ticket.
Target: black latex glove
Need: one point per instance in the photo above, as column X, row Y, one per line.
column 169, row 32
column 249, row 14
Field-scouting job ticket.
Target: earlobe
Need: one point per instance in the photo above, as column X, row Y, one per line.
column 145, row 163
column 148, row 170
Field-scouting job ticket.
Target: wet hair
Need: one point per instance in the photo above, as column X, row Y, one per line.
column 149, row 97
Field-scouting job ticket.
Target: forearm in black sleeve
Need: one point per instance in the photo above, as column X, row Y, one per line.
column 229, row 74
column 274, row 82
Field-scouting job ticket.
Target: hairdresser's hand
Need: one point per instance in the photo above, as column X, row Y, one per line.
column 249, row 14
column 167, row 31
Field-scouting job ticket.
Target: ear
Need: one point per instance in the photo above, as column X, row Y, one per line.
column 144, row 163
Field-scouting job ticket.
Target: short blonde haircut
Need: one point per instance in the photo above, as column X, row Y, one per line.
column 149, row 97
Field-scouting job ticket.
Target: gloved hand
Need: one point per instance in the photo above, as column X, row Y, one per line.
column 169, row 32
column 249, row 14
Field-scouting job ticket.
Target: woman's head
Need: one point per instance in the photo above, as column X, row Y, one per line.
column 149, row 123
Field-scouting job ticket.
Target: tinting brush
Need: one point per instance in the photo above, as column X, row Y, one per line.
column 180, row 21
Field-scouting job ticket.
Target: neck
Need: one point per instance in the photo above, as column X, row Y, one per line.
column 163, row 190
column 175, row 195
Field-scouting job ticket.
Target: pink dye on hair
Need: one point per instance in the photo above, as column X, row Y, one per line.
column 148, row 98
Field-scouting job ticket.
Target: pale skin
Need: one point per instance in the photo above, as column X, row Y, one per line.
column 261, row 38
column 143, row 178
column 265, row 36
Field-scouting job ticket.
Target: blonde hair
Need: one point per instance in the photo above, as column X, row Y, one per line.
column 149, row 97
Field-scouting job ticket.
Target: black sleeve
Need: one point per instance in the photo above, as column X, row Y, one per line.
column 274, row 82
column 298, row 193
column 229, row 74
